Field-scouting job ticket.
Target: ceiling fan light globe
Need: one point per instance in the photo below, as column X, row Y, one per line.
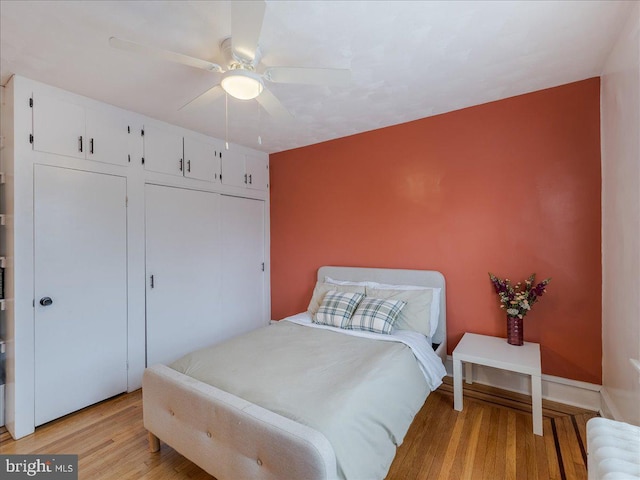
column 242, row 84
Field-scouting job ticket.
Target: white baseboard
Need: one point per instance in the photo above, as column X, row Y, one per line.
column 557, row 389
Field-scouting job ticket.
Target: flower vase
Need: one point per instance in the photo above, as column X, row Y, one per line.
column 515, row 331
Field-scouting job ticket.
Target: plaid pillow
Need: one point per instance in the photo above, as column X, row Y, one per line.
column 337, row 307
column 376, row 315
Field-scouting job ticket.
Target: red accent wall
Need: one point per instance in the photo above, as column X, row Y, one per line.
column 511, row 187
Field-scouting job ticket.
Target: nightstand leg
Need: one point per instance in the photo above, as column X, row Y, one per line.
column 536, row 403
column 468, row 372
column 457, row 384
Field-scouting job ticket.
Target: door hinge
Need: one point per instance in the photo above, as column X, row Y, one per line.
column 30, row 138
column 143, row 160
column 142, row 132
column 263, row 266
column 31, row 102
column 129, row 158
column 126, row 201
column 128, row 128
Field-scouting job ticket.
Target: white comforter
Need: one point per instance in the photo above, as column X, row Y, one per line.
column 361, row 394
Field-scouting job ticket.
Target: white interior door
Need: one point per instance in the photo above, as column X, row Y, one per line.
column 242, row 228
column 81, row 266
column 183, row 256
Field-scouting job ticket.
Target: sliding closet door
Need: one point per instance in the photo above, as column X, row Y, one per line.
column 80, row 289
column 183, row 271
column 242, row 222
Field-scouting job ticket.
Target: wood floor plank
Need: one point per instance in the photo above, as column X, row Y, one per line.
column 490, row 439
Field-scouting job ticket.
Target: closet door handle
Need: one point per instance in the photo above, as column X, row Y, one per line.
column 46, row 301
column 180, row 164
column 91, row 146
column 188, row 165
column 80, row 143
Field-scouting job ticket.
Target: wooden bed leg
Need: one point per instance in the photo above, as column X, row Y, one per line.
column 154, row 443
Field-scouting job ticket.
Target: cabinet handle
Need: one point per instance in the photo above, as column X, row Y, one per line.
column 91, row 146
column 152, row 282
column 180, row 164
column 188, row 165
column 250, row 180
column 80, row 143
column 245, row 178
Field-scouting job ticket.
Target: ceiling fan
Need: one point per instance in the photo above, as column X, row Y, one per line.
column 243, row 76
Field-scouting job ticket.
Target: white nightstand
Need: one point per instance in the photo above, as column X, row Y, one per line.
column 496, row 352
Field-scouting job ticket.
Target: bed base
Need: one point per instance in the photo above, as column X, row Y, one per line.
column 227, row 436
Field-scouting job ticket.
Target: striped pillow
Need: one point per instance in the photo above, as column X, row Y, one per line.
column 337, row 308
column 376, row 315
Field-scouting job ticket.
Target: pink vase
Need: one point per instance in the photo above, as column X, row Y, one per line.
column 515, row 331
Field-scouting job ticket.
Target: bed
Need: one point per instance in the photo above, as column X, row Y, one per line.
column 310, row 418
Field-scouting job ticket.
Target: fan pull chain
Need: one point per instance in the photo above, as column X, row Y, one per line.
column 226, row 121
column 259, row 122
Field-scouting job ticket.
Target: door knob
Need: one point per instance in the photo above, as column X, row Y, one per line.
column 46, row 301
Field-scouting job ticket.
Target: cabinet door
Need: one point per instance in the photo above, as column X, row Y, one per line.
column 258, row 173
column 201, row 160
column 233, row 169
column 242, row 229
column 183, row 271
column 107, row 137
column 163, row 151
column 80, row 263
column 58, row 127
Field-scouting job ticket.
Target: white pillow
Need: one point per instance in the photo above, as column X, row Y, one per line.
column 435, row 302
column 333, row 281
column 416, row 314
column 321, row 290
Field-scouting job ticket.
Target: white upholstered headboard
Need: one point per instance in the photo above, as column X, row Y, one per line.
column 426, row 278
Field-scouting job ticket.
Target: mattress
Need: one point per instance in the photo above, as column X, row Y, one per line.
column 361, row 391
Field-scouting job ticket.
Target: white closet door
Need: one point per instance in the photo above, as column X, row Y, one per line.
column 242, row 223
column 182, row 255
column 81, row 265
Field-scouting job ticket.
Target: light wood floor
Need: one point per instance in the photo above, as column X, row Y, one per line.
column 490, row 439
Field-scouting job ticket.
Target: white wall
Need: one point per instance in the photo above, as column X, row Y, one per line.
column 620, row 103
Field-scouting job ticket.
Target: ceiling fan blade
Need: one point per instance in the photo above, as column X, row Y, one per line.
column 309, row 76
column 163, row 54
column 246, row 24
column 204, row 98
column 272, row 105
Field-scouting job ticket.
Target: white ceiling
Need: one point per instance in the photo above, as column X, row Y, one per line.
column 409, row 60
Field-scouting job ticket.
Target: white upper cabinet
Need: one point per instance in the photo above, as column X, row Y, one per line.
column 257, row 173
column 246, row 171
column 58, row 127
column 167, row 151
column 108, row 136
column 65, row 128
column 202, row 159
column 163, row 151
column 233, row 168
